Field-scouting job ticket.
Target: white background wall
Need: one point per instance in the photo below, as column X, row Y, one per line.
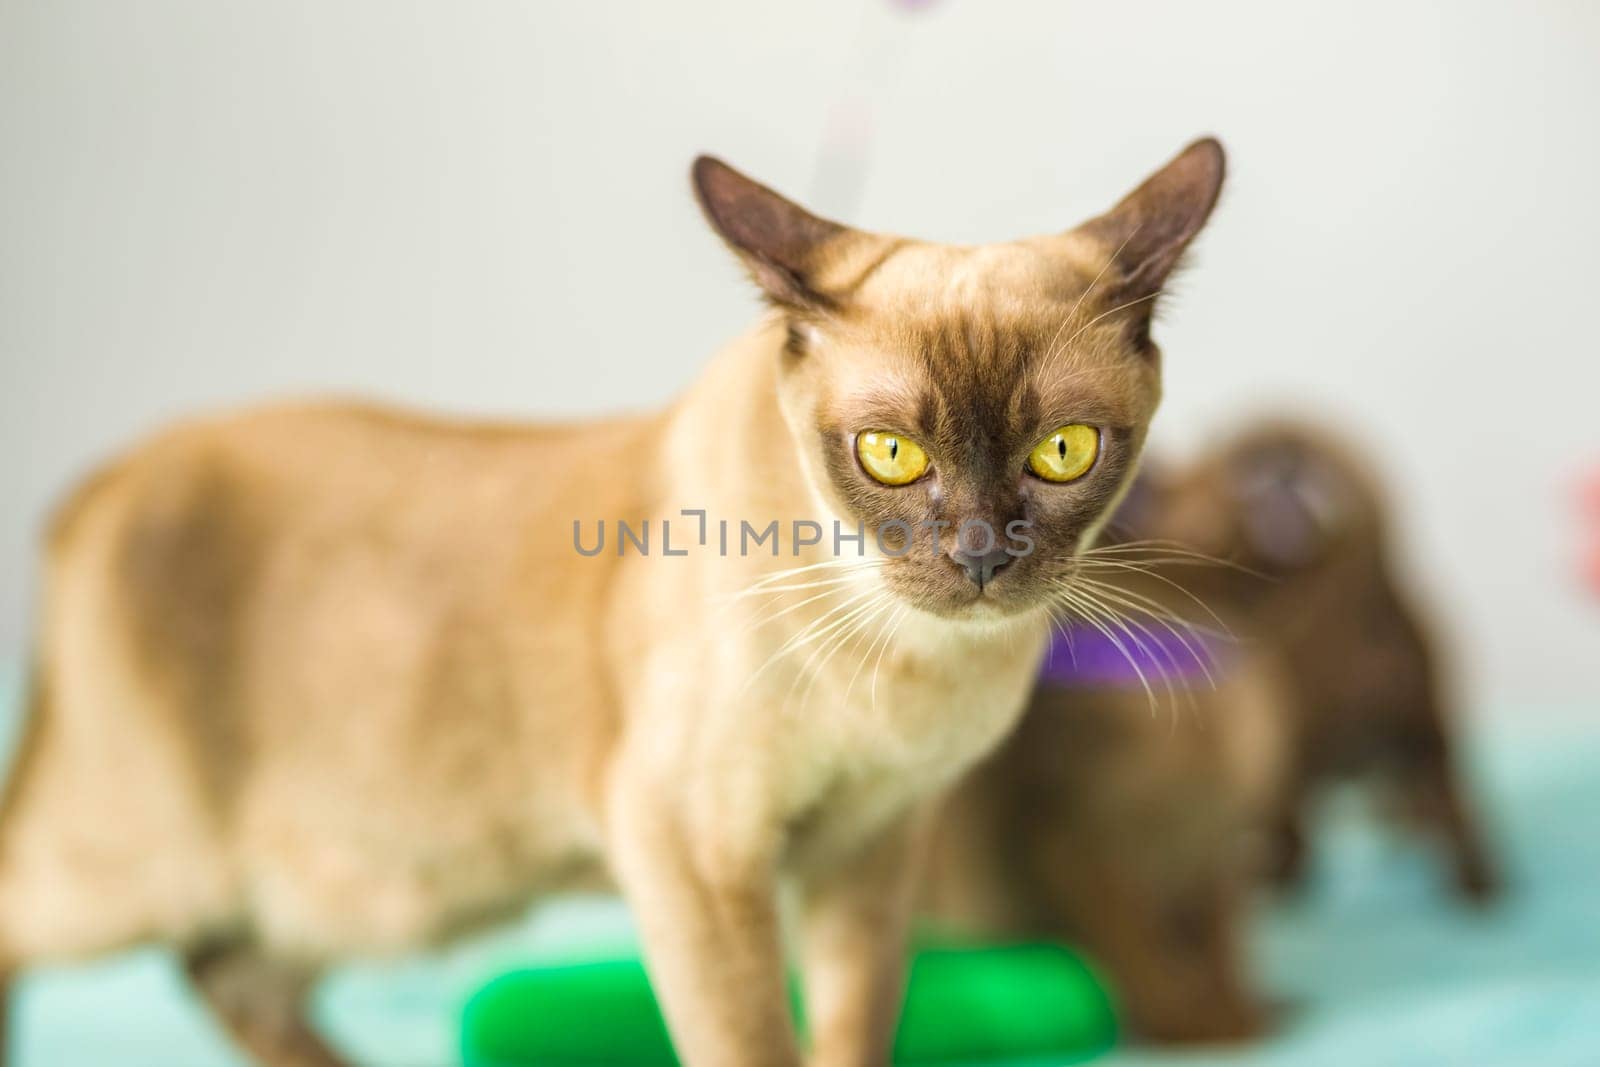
column 482, row 206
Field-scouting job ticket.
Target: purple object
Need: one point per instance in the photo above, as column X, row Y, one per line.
column 1083, row 657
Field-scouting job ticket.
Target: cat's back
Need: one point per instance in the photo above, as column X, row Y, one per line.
column 269, row 470
column 343, row 443
column 218, row 537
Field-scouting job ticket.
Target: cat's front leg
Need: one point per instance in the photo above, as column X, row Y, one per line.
column 704, row 894
column 856, row 914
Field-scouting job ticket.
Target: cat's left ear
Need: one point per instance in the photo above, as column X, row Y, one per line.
column 1147, row 232
column 780, row 242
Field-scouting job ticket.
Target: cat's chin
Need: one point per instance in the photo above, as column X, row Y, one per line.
column 982, row 611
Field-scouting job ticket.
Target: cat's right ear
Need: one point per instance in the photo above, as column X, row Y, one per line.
column 779, row 242
column 1148, row 231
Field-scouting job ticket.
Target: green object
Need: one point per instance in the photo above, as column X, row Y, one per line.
column 570, row 1015
column 1002, row 1005
column 973, row 1006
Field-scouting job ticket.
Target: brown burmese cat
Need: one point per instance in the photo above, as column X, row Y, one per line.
column 325, row 680
column 1292, row 503
column 1102, row 824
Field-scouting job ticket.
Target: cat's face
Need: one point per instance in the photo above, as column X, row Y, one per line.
column 973, row 377
column 977, row 411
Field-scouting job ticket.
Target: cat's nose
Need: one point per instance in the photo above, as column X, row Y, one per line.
column 981, row 567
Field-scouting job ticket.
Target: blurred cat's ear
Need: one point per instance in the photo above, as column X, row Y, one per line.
column 1148, row 231
column 779, row 241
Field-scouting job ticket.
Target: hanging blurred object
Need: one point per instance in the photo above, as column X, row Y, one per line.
column 873, row 72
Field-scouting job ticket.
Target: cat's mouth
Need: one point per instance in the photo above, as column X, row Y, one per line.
column 949, row 589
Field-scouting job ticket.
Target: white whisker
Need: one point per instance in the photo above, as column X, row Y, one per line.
column 1073, row 599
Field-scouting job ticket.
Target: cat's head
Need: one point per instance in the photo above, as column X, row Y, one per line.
column 1286, row 503
column 1001, row 390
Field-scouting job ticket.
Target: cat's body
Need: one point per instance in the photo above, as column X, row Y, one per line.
column 328, row 680
column 1371, row 698
column 348, row 721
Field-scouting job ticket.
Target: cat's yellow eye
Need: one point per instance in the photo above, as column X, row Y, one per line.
column 1067, row 454
column 890, row 458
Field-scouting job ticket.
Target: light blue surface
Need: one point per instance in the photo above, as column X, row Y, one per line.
column 1380, row 966
column 1383, row 968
